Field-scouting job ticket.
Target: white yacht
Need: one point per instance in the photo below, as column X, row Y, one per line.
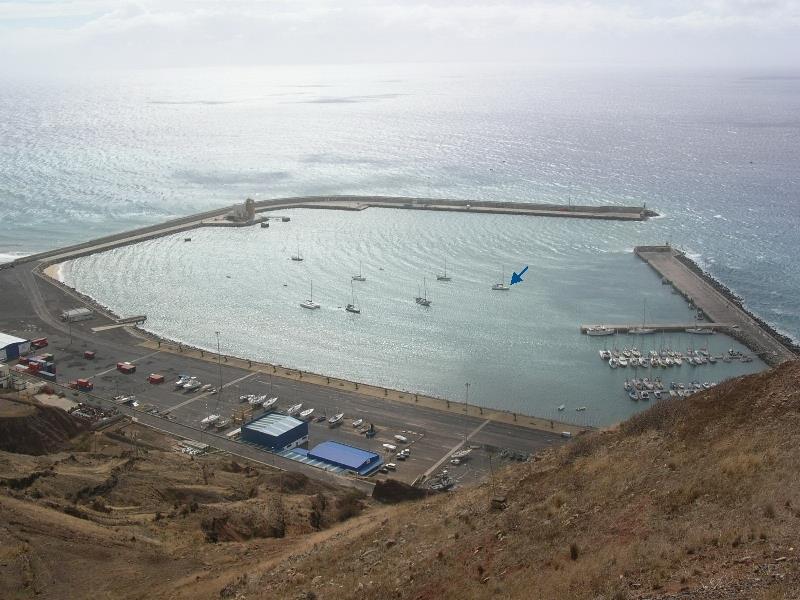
column 209, row 420
column 360, row 276
column 423, row 300
column 293, row 410
column 501, row 286
column 270, row 402
column 336, row 419
column 700, row 331
column 192, row 384
column 297, row 257
column 443, row 276
column 358, row 422
column 597, row 330
column 643, row 330
column 353, row 307
column 310, row 304
column 306, row 414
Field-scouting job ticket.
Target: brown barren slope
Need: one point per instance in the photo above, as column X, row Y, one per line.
column 695, row 498
column 690, row 499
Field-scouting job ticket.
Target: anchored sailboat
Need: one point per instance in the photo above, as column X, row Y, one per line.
column 642, row 330
column 353, row 307
column 443, row 276
column 297, row 257
column 501, row 286
column 423, row 300
column 360, row 276
column 310, row 302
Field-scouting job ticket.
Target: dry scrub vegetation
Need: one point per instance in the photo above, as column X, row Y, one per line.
column 114, row 517
column 690, row 499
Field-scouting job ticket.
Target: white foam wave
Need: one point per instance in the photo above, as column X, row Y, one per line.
column 7, row 257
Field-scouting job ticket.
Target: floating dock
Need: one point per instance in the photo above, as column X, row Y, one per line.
column 717, row 303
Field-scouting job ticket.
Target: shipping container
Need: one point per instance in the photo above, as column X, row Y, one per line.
column 89, row 354
column 126, row 367
column 48, row 357
column 39, row 343
column 155, row 378
column 23, row 360
column 46, row 375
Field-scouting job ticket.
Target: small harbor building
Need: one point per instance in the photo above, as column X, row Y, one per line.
column 346, row 457
column 275, row 432
column 12, row 347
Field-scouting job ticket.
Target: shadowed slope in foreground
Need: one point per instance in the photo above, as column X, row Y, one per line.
column 695, row 498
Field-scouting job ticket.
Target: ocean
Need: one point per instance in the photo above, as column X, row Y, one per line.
column 716, row 153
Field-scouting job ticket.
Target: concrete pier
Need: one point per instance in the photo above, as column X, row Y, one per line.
column 215, row 218
column 718, row 305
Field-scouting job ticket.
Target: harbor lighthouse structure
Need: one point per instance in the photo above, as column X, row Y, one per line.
column 243, row 213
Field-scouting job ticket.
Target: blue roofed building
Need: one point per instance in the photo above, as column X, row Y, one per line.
column 346, row 457
column 275, row 432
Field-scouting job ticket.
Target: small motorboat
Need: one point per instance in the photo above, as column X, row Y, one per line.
column 336, row 419
column 562, row 407
column 270, row 402
column 358, row 422
column 306, row 414
column 192, row 384
column 209, row 420
column 293, row 410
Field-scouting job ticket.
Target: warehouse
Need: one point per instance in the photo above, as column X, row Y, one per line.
column 12, row 347
column 276, row 432
column 347, row 457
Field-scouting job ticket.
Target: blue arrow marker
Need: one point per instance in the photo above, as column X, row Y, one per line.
column 518, row 278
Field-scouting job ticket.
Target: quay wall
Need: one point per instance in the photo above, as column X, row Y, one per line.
column 738, row 301
column 188, row 222
column 772, row 346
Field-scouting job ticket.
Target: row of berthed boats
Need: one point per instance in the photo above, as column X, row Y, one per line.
column 632, row 357
column 645, row 389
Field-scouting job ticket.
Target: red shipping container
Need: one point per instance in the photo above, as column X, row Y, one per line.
column 89, row 354
column 23, row 360
column 33, row 367
column 155, row 378
column 39, row 342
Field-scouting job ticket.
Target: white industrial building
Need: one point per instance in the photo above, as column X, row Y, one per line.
column 11, row 347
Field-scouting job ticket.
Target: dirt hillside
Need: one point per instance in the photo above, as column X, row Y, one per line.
column 26, row 428
column 698, row 498
column 121, row 514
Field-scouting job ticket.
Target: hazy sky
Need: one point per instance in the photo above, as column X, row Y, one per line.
column 39, row 34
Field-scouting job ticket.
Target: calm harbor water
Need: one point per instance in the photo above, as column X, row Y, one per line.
column 718, row 153
column 520, row 350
